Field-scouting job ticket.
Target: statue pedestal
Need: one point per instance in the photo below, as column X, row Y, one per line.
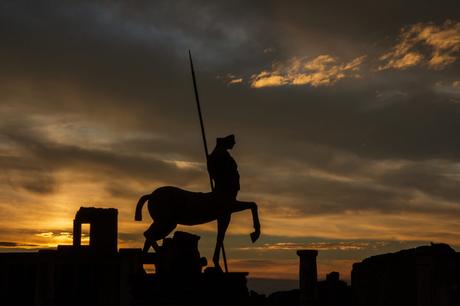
column 179, row 279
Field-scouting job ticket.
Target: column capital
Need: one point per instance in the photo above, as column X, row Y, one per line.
column 309, row 253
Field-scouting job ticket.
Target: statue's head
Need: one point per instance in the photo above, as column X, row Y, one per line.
column 227, row 142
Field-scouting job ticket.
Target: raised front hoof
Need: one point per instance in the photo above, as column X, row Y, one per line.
column 254, row 236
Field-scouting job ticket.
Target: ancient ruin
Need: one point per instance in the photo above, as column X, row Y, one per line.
column 99, row 274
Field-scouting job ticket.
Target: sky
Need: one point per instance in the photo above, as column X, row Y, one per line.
column 346, row 116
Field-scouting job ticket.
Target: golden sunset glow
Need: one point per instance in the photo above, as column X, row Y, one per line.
column 346, row 122
column 443, row 42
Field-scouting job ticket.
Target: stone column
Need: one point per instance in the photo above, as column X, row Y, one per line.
column 308, row 277
column 76, row 233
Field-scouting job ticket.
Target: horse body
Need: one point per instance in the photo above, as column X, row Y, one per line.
column 169, row 206
column 172, row 204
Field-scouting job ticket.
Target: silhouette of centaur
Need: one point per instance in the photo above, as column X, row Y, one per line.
column 169, row 206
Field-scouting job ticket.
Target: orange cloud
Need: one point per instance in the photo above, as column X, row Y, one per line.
column 235, row 81
column 442, row 41
column 404, row 61
column 230, row 79
column 52, row 239
column 320, row 71
column 321, row 246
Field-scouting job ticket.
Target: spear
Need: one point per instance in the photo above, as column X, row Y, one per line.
column 203, row 135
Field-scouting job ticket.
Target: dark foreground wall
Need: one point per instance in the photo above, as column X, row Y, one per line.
column 66, row 277
column 100, row 275
column 424, row 276
column 76, row 276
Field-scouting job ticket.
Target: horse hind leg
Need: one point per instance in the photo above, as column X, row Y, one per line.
column 155, row 232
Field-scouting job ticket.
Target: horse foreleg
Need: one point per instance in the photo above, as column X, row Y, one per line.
column 240, row 206
column 150, row 243
column 155, row 232
column 222, row 225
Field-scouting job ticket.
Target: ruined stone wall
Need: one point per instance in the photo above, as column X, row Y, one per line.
column 424, row 276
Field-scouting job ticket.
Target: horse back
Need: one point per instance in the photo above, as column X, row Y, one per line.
column 173, row 204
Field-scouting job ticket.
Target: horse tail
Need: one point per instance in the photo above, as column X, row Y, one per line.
column 140, row 204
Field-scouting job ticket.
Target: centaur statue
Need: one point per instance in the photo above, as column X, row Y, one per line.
column 169, row 206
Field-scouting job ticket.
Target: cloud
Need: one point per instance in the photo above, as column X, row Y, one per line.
column 404, row 61
column 52, row 239
column 451, row 88
column 34, row 148
column 10, row 244
column 353, row 186
column 230, row 79
column 37, row 239
column 37, row 181
column 442, row 44
column 320, row 246
column 320, row 71
column 236, row 81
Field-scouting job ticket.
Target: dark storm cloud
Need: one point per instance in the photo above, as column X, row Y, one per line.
column 106, row 62
column 437, row 179
column 124, row 65
column 128, row 39
column 120, row 190
column 311, row 195
column 391, row 191
column 113, row 52
column 49, row 157
column 368, row 118
column 346, row 27
column 39, row 182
